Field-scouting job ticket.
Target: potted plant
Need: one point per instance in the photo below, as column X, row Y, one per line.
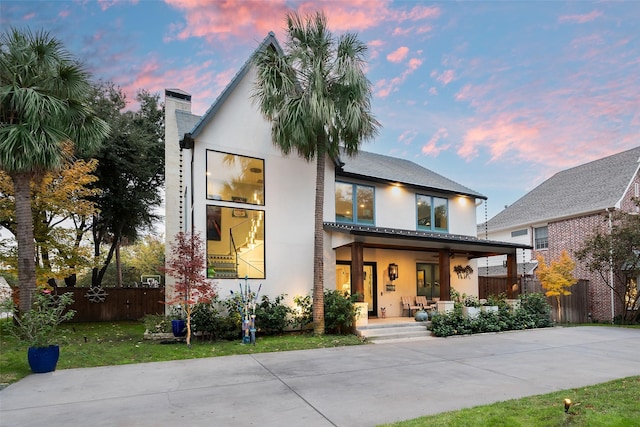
column 38, row 328
column 471, row 306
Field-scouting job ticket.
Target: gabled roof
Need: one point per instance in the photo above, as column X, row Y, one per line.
column 382, row 168
column 588, row 188
column 270, row 40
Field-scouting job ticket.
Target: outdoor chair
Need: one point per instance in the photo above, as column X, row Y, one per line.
column 407, row 304
column 422, row 301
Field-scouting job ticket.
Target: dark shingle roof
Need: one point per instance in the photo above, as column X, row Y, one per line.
column 185, row 121
column 591, row 187
column 391, row 169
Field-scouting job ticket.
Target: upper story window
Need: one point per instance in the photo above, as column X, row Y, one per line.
column 354, row 203
column 433, row 213
column 541, row 237
column 522, row 232
column 235, row 178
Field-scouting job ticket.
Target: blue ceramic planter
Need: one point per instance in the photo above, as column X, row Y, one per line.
column 179, row 328
column 43, row 359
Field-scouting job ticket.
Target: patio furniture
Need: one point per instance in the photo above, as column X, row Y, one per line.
column 424, row 303
column 408, row 304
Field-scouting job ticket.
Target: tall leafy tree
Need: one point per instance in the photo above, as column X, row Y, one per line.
column 43, row 114
column 130, row 172
column 61, row 211
column 318, row 99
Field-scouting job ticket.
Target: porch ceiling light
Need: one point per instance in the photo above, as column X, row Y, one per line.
column 393, row 271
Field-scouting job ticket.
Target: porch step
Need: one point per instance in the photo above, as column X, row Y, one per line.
column 394, row 331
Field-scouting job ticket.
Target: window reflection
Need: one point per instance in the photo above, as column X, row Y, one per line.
column 235, row 178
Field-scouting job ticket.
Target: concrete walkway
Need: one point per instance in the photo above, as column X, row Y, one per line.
column 348, row 386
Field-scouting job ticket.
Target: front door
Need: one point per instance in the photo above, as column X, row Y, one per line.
column 343, row 283
column 370, row 287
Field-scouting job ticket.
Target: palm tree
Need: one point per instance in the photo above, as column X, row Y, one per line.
column 43, row 120
column 318, row 100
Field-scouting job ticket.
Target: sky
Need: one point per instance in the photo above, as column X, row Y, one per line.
column 495, row 95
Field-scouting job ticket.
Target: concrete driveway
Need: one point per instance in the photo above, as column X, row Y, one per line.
column 348, row 386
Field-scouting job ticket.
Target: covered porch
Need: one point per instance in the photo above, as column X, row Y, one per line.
column 384, row 265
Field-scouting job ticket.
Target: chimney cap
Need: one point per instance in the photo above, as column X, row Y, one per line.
column 178, row 94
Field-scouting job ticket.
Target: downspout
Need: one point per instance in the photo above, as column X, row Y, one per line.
column 611, row 265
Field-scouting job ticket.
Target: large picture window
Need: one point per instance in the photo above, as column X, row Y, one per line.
column 354, row 203
column 235, row 243
column 432, row 213
column 428, row 280
column 235, row 178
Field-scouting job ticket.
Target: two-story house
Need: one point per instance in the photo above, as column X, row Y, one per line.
column 392, row 228
column 561, row 212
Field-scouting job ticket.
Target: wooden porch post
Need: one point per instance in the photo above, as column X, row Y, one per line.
column 357, row 269
column 512, row 274
column 445, row 276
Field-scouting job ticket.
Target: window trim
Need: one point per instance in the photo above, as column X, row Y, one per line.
column 354, row 203
column 432, row 227
column 540, row 243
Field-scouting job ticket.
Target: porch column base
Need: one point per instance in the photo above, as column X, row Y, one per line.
column 362, row 317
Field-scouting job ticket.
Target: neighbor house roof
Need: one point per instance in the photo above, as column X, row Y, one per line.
column 369, row 166
column 587, row 188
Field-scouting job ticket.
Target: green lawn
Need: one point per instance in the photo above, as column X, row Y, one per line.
column 120, row 343
column 609, row 404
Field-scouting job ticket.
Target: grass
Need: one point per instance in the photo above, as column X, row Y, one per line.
column 120, row 343
column 613, row 403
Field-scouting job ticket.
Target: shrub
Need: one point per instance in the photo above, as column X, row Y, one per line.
column 156, row 323
column 534, row 312
column 303, row 315
column 205, row 318
column 536, row 309
column 272, row 317
column 339, row 311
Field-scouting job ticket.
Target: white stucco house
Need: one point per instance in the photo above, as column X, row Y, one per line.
column 226, row 180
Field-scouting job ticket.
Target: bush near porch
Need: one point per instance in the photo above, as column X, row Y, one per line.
column 534, row 312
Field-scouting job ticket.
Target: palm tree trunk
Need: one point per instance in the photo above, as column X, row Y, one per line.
column 318, row 249
column 26, row 244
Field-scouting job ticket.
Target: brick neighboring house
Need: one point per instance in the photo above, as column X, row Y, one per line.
column 562, row 211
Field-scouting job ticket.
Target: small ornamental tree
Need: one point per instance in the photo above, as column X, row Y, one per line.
column 557, row 277
column 187, row 264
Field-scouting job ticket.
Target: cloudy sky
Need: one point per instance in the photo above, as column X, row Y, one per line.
column 495, row 95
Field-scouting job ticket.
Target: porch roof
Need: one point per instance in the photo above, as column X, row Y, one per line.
column 395, row 238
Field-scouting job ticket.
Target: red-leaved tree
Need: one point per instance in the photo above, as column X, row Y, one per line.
column 187, row 264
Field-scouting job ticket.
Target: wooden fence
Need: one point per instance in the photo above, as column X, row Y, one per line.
column 574, row 307
column 118, row 304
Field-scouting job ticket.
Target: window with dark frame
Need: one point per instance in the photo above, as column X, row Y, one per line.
column 541, row 237
column 354, row 203
column 432, row 213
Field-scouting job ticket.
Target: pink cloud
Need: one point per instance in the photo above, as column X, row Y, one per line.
column 64, row 13
column 446, row 77
column 398, row 55
column 580, row 19
column 384, row 87
column 499, row 137
column 407, row 137
column 432, row 148
column 29, row 16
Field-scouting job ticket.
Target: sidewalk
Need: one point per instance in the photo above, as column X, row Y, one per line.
column 347, row 386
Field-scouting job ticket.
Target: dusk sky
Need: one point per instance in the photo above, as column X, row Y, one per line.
column 496, row 95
